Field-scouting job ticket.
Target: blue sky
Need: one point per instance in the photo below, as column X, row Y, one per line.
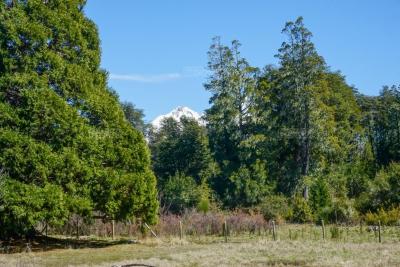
column 156, row 51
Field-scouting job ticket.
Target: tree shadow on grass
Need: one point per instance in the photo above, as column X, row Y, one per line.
column 46, row 243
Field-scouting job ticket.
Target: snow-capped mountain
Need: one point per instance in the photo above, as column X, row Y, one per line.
column 177, row 114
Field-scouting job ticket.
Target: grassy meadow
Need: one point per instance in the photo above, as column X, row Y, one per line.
column 296, row 245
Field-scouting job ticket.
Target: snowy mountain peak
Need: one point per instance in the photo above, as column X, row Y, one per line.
column 177, row 114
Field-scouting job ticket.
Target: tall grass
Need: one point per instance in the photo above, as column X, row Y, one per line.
column 239, row 223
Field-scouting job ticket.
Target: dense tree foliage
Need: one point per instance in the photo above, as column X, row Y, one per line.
column 382, row 123
column 180, row 147
column 230, row 119
column 299, row 130
column 293, row 141
column 65, row 145
column 281, row 127
column 310, row 116
column 295, row 134
column 182, row 163
column 179, row 193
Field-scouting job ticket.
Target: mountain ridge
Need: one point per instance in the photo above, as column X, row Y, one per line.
column 177, row 114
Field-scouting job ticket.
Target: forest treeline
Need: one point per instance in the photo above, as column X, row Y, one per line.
column 293, row 141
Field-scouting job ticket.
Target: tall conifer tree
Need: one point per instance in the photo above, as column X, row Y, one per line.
column 65, row 146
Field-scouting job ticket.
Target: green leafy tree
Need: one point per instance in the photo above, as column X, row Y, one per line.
column 319, row 195
column 384, row 192
column 64, row 142
column 382, row 120
column 320, row 198
column 249, row 185
column 180, row 192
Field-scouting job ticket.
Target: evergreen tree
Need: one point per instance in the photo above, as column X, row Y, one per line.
column 233, row 142
column 300, row 67
column 309, row 114
column 182, row 162
column 180, row 147
column 134, row 116
column 65, row 145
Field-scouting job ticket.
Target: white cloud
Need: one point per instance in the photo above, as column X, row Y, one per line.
column 195, row 71
column 146, row 78
column 187, row 72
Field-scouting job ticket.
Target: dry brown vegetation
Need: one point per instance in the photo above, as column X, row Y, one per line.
column 297, row 245
column 211, row 251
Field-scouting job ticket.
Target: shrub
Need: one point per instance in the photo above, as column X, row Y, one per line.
column 301, row 211
column 384, row 192
column 342, row 210
column 335, row 232
column 23, row 206
column 275, row 207
column 325, row 214
column 204, row 201
column 389, row 217
column 180, row 192
column 248, row 185
column 320, row 197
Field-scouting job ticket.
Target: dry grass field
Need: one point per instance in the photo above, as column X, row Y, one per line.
column 296, row 246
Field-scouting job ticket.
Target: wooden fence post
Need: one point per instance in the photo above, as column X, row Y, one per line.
column 77, row 228
column 379, row 231
column 180, row 230
column 112, row 229
column 323, row 229
column 273, row 230
column 225, row 230
column 28, row 247
column 151, row 231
